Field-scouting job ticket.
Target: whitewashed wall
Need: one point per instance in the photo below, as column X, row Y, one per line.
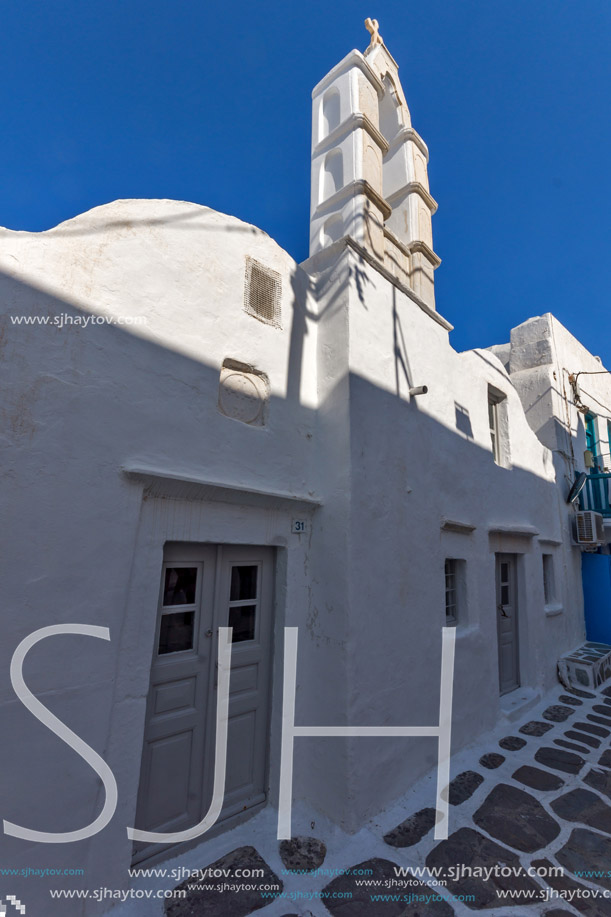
column 541, row 356
column 409, row 469
column 365, row 585
column 81, row 405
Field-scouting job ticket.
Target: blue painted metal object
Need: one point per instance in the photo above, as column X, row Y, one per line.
column 596, row 575
column 596, row 494
column 591, row 443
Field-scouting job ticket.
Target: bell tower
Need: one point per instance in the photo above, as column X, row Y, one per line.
column 369, row 168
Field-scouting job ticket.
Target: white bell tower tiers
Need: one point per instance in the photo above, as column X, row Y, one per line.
column 369, row 168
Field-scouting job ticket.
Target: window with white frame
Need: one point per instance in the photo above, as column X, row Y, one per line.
column 455, row 590
column 497, row 422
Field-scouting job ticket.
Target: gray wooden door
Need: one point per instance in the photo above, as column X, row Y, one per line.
column 507, row 622
column 204, row 587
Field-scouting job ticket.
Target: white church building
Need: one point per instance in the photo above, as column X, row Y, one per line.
column 200, row 433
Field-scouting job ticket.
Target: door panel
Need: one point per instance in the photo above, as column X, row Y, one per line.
column 204, row 587
column 168, row 799
column 245, row 601
column 175, row 695
column 174, row 740
column 241, row 734
column 507, row 622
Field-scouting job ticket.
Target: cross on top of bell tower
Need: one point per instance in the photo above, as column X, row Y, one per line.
column 373, row 27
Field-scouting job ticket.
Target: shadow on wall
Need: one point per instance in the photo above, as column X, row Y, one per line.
column 123, row 394
column 463, row 420
column 49, row 372
column 79, row 403
column 73, row 414
column 409, row 473
column 306, row 288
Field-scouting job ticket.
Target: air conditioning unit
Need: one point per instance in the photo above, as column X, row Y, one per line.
column 589, row 528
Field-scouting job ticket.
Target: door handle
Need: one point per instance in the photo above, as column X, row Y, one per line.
column 502, row 610
column 209, row 633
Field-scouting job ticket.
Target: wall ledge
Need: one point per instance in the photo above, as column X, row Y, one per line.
column 523, row 531
column 461, row 528
column 158, row 482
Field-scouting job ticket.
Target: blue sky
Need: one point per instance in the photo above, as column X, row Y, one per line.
column 211, row 103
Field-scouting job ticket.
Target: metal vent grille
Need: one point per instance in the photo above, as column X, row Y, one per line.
column 590, row 528
column 262, row 293
column 584, row 528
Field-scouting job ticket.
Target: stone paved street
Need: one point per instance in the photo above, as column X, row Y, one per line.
column 537, row 798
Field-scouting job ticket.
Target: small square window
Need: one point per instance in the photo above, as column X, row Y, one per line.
column 176, row 632
column 455, row 590
column 243, row 619
column 549, row 580
column 179, row 586
column 243, row 583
